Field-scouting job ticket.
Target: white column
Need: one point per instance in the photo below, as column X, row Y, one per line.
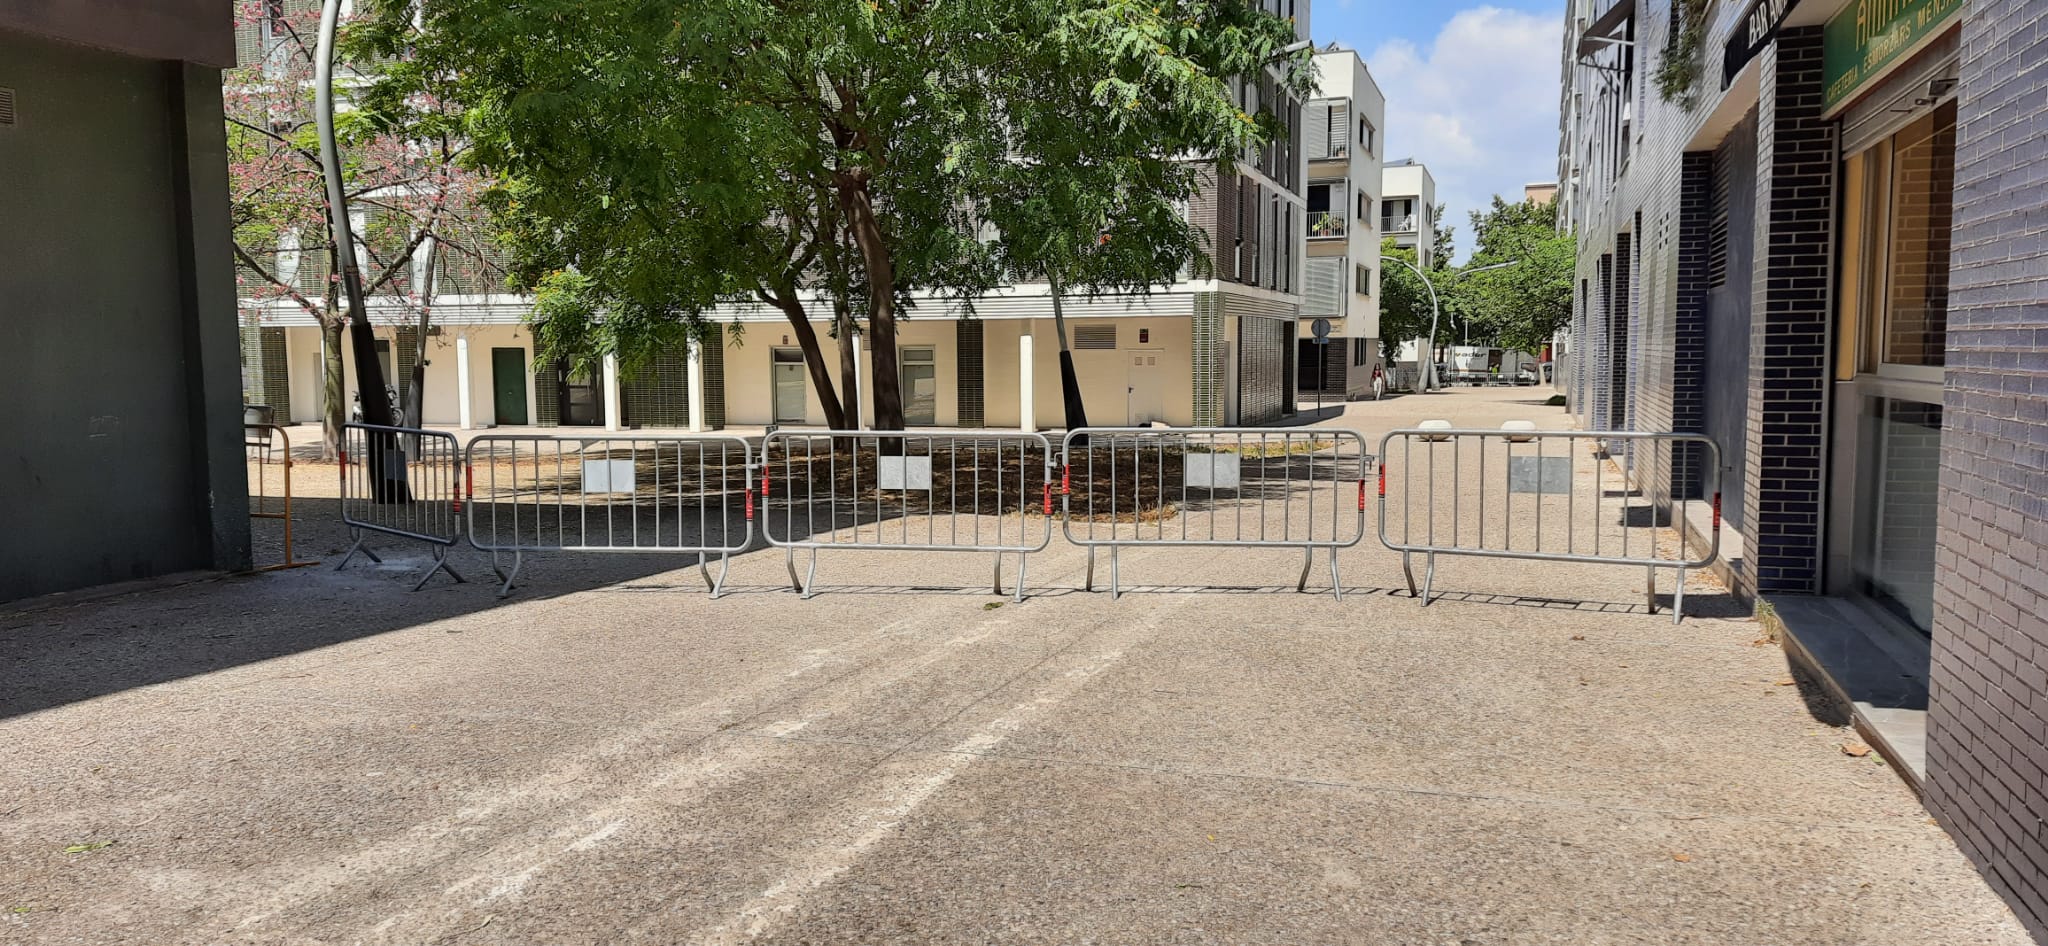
column 464, row 410
column 1027, row 411
column 860, row 376
column 614, row 411
column 696, row 370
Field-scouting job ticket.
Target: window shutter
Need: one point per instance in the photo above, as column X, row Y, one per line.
column 1315, row 130
column 1323, row 294
column 1094, row 338
column 1338, row 130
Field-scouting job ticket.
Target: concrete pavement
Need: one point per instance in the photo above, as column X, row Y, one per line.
column 609, row 756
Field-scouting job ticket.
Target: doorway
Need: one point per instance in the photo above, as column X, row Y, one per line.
column 791, row 396
column 508, row 386
column 579, row 401
column 919, row 373
column 1145, row 402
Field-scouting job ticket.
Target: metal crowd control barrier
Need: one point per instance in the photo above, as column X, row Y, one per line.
column 1550, row 496
column 259, row 442
column 1249, row 487
column 683, row 494
column 401, row 481
column 932, row 492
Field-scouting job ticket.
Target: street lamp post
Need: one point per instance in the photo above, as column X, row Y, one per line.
column 1430, row 381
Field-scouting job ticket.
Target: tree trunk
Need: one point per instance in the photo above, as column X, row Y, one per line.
column 333, row 392
column 849, row 366
column 1070, row 380
column 814, row 356
column 416, row 386
column 856, row 204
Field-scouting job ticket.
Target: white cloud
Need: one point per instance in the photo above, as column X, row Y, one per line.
column 1479, row 107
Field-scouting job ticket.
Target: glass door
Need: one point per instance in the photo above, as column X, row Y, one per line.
column 791, row 397
column 920, row 376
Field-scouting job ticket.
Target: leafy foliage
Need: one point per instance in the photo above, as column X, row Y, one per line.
column 685, row 153
column 403, row 167
column 1524, row 305
column 1677, row 75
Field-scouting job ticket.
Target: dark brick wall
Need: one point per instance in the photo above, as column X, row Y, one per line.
column 1689, row 329
column 1621, row 311
column 1987, row 743
column 1788, row 370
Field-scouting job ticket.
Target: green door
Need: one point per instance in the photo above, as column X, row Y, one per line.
column 508, row 385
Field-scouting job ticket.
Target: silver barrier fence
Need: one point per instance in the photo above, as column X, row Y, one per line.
column 1251, row 487
column 1552, row 496
column 405, row 482
column 684, row 494
column 988, row 492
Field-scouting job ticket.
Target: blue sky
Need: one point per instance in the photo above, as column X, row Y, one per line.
column 1471, row 88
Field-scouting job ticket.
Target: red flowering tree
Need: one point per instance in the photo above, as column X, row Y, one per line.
column 418, row 217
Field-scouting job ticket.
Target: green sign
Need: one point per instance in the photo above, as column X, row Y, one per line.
column 1869, row 36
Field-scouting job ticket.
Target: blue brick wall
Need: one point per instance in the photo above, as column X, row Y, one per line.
column 1987, row 741
column 1788, row 352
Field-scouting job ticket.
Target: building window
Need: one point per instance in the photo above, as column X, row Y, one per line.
column 1897, row 218
column 1326, row 210
column 1900, row 506
column 1366, row 134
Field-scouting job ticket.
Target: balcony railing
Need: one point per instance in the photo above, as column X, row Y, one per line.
column 1398, row 224
column 1325, row 225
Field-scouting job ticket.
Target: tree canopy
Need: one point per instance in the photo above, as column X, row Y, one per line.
column 1524, row 305
column 683, row 153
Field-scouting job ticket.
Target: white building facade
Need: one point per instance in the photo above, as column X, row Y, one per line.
column 1408, row 207
column 1341, row 134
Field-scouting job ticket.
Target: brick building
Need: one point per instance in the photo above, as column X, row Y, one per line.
column 1814, row 230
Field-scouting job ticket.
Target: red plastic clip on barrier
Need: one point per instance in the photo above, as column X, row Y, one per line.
column 1048, row 499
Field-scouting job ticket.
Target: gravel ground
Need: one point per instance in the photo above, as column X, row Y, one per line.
column 609, row 756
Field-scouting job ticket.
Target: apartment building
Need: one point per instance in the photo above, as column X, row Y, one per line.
column 1408, row 207
column 1341, row 128
column 1212, row 351
column 1818, row 242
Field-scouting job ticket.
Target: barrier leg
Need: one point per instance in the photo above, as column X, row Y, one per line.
column 1678, row 599
column 1023, row 567
column 811, row 577
column 999, row 575
column 1650, row 587
column 440, row 565
column 1308, row 560
column 1115, row 578
column 358, row 547
column 1336, row 582
column 1088, row 578
column 518, row 559
column 1408, row 569
column 724, row 567
column 704, row 570
column 1428, row 578
column 789, row 561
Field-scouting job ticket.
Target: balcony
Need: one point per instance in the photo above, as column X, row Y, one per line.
column 1324, row 225
column 1405, row 224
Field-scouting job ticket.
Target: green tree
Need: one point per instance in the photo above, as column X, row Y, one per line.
column 682, row 154
column 1524, row 305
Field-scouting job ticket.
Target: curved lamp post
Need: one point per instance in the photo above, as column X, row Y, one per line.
column 1429, row 380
